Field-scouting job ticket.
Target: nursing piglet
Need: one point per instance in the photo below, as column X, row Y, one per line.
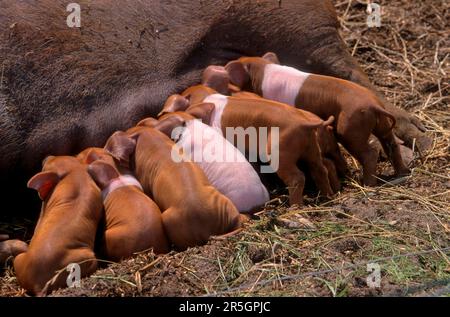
column 66, row 229
column 193, row 210
column 225, row 167
column 133, row 221
column 358, row 111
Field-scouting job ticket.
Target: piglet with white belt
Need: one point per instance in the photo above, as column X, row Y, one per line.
column 133, row 221
column 225, row 167
column 358, row 111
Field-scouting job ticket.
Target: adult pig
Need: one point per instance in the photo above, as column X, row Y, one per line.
column 63, row 89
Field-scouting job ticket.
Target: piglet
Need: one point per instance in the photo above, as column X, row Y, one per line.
column 290, row 135
column 133, row 220
column 66, row 229
column 358, row 111
column 193, row 210
column 226, row 168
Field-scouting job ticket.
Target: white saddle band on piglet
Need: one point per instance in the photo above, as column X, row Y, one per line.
column 282, row 83
column 122, row 181
column 224, row 165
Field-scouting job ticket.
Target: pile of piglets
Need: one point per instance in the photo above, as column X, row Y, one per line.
column 137, row 193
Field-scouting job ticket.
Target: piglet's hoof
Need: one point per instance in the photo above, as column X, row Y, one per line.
column 10, row 248
column 407, row 155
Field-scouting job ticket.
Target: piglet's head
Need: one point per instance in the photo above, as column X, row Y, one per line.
column 54, row 169
column 175, row 103
column 148, row 122
column 217, row 77
column 11, row 248
column 169, row 123
column 202, row 111
column 196, row 94
column 94, row 154
column 240, row 71
column 121, row 146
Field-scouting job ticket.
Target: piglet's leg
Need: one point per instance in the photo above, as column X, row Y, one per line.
column 340, row 163
column 332, row 175
column 368, row 157
column 319, row 174
column 294, row 179
column 232, row 233
column 392, row 150
column 182, row 233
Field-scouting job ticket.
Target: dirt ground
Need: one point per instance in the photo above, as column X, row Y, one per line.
column 401, row 228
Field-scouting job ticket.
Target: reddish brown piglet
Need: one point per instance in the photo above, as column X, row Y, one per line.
column 133, row 220
column 66, row 229
column 193, row 210
column 358, row 111
column 298, row 135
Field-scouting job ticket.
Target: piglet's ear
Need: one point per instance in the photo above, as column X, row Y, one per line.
column 217, row 78
column 237, row 73
column 202, row 111
column 91, row 156
column 121, row 146
column 44, row 183
column 271, row 57
column 174, row 103
column 148, row 122
column 169, row 123
column 102, row 173
column 329, row 121
column 233, row 89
